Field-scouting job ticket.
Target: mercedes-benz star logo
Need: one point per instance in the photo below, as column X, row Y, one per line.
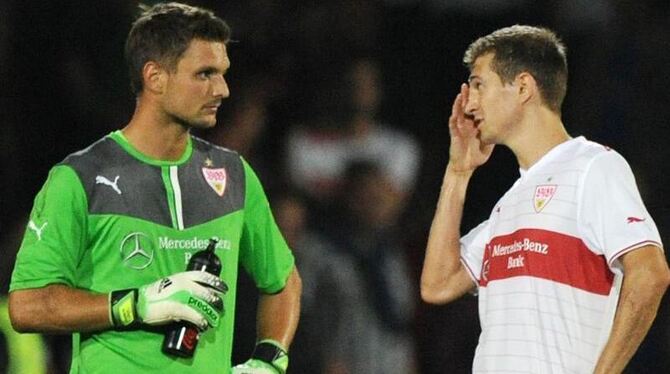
column 137, row 251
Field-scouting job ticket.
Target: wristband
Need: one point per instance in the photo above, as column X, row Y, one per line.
column 273, row 353
column 122, row 308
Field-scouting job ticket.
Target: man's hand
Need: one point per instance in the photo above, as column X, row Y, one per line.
column 466, row 152
column 192, row 296
column 269, row 357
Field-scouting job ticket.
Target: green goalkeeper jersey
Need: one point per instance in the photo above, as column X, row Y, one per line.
column 110, row 218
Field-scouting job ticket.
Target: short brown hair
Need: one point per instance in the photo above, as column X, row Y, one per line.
column 520, row 48
column 164, row 31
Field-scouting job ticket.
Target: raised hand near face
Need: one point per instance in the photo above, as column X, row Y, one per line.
column 466, row 150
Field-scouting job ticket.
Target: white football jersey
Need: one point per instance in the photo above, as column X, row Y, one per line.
column 546, row 261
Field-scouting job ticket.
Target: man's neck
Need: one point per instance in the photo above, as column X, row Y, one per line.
column 539, row 132
column 155, row 135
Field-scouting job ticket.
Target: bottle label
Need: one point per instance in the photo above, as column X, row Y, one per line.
column 191, row 337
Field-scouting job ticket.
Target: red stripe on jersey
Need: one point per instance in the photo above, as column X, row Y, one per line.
column 547, row 255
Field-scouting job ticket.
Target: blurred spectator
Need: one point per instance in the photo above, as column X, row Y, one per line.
column 243, row 123
column 315, row 350
column 20, row 353
column 244, row 119
column 318, row 156
column 378, row 292
column 324, row 31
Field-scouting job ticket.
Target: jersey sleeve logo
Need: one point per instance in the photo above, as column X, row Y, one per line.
column 38, row 229
column 543, row 195
column 216, row 178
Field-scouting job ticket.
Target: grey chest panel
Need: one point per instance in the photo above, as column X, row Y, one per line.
column 115, row 182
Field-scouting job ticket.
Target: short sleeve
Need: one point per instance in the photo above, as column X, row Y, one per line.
column 55, row 234
column 473, row 245
column 612, row 218
column 264, row 253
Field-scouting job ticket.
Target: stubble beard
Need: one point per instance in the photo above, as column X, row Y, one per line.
column 189, row 124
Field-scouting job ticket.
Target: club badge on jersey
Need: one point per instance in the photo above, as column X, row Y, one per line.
column 216, row 178
column 543, row 194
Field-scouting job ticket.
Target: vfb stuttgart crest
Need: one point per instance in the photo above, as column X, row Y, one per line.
column 543, row 194
column 216, row 178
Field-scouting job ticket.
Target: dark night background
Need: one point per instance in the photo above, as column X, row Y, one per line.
column 63, row 85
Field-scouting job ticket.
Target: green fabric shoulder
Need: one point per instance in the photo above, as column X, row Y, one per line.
column 53, row 240
column 263, row 251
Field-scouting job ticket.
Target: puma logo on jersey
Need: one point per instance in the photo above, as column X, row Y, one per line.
column 102, row 180
column 38, row 230
column 635, row 219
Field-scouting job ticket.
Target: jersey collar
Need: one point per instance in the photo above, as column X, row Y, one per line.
column 119, row 138
column 552, row 154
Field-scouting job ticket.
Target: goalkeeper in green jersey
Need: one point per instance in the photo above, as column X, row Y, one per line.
column 114, row 226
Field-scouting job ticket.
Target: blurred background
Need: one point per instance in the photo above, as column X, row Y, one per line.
column 341, row 108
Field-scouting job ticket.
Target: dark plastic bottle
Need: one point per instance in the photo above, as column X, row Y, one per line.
column 181, row 338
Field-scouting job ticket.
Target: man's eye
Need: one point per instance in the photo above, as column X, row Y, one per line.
column 203, row 75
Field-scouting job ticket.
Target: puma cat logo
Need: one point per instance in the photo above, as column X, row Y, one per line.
column 38, row 230
column 102, row 180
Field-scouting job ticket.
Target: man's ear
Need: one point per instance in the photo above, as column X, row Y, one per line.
column 527, row 87
column 154, row 76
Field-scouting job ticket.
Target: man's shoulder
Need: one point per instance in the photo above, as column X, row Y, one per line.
column 582, row 147
column 204, row 146
column 212, row 156
column 592, row 154
column 580, row 153
column 102, row 149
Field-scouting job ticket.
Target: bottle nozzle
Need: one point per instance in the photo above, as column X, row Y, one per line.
column 212, row 245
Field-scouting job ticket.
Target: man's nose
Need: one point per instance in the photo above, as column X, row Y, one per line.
column 220, row 87
column 472, row 104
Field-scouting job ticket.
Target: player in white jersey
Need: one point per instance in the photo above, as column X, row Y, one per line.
column 569, row 267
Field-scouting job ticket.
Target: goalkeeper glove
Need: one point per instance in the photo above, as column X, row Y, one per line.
column 269, row 357
column 192, row 296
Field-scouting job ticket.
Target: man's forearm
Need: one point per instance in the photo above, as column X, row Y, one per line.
column 58, row 308
column 443, row 249
column 641, row 295
column 278, row 314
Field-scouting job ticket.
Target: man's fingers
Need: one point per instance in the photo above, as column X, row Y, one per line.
column 212, row 312
column 460, row 121
column 456, row 112
column 205, row 293
column 220, row 287
column 465, row 91
column 218, row 304
column 208, row 280
column 191, row 315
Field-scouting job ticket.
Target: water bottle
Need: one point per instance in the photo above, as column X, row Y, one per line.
column 181, row 338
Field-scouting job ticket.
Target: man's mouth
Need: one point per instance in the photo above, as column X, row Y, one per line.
column 212, row 107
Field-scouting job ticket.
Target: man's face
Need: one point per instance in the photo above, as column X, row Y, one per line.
column 195, row 89
column 492, row 104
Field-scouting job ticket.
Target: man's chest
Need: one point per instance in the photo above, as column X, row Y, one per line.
column 534, row 232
